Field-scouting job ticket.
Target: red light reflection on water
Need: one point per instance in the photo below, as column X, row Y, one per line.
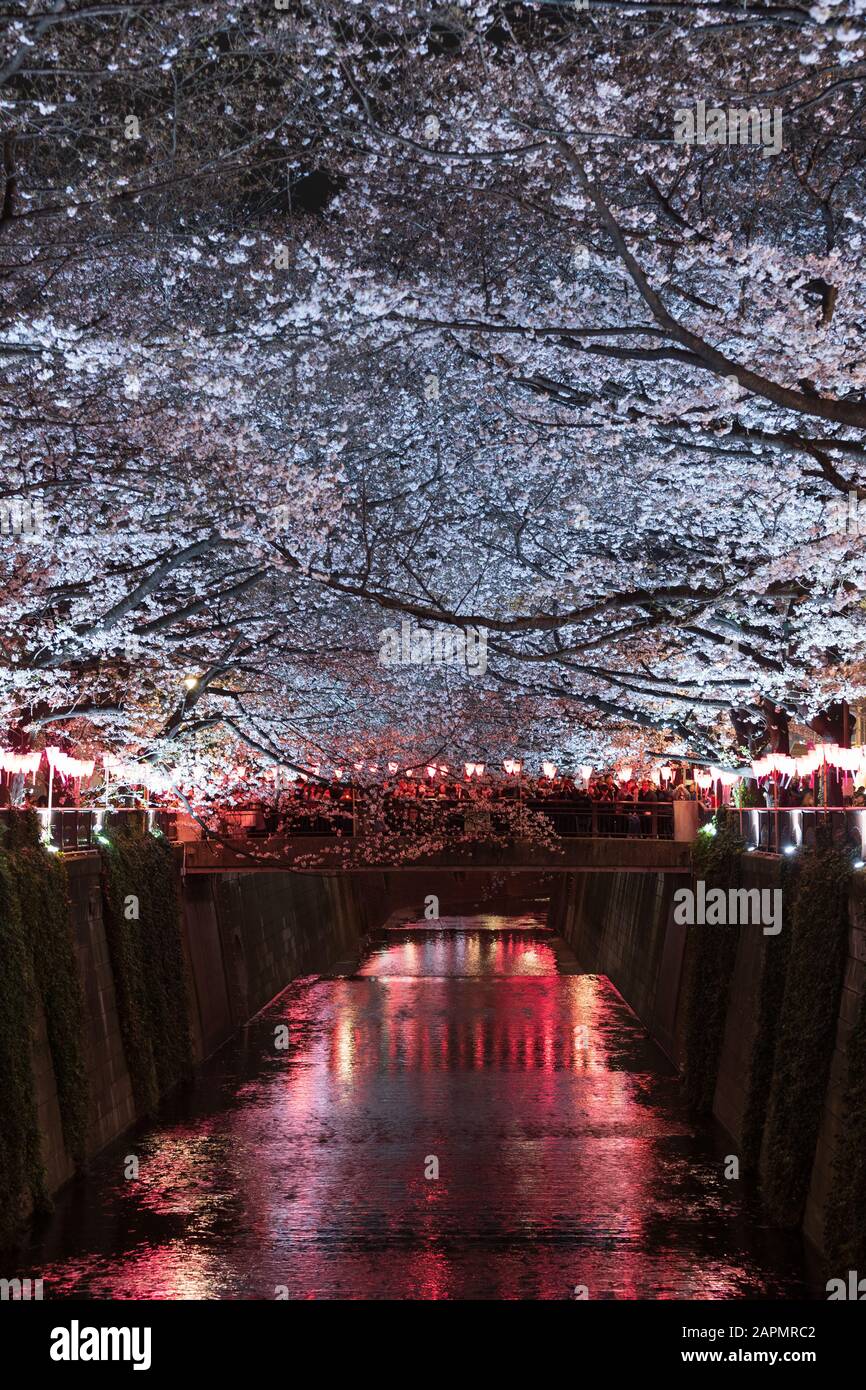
column 564, row 1157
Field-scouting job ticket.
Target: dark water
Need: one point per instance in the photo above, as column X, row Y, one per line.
column 564, row 1156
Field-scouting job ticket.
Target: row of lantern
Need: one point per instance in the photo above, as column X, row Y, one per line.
column 512, row 766
column 116, row 769
column 144, row 774
column 58, row 761
column 848, row 759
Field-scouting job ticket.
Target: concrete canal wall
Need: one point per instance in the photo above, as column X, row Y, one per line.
column 622, row 926
column 244, row 938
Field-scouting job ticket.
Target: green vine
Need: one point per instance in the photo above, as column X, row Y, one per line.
column 845, row 1219
column 20, row 1162
column 142, row 922
column 748, row 793
column 807, row 1029
column 772, row 989
column 37, row 960
column 712, row 953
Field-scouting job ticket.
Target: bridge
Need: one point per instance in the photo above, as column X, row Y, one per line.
column 606, row 838
column 320, row 854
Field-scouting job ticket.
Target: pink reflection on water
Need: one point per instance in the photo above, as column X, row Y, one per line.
column 564, row 1157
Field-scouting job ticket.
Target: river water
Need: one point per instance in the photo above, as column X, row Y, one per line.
column 475, row 1050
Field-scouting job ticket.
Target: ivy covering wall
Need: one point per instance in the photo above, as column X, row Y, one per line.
column 775, row 968
column 142, row 925
column 711, row 956
column 806, row 1030
column 845, row 1222
column 37, row 963
column 792, row 1049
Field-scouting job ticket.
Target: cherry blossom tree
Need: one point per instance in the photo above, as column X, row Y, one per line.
column 321, row 319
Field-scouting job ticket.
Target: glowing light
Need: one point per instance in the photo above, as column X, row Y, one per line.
column 849, row 758
column 549, row 770
column 393, row 768
column 190, row 682
column 67, row 766
column 807, row 763
column 29, row 762
column 725, row 776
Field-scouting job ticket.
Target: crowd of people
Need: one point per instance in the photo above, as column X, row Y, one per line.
column 602, row 806
column 605, row 804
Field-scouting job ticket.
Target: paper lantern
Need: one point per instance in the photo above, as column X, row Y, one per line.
column 849, row 758
column 725, row 776
column 68, row 766
column 625, row 773
column 585, row 771
column 393, row 767
column 549, row 770
column 784, row 765
column 20, row 762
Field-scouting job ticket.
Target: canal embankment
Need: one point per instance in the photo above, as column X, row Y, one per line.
column 767, row 1028
column 118, row 977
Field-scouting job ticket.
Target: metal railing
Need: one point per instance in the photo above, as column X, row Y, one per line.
column 618, row 819
column 785, row 829
column 74, row 829
column 569, row 819
column 304, row 818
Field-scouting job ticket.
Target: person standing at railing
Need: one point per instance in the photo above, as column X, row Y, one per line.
column 646, row 799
